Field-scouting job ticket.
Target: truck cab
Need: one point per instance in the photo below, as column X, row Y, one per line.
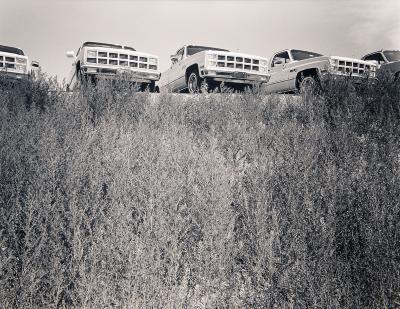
column 95, row 60
column 195, row 65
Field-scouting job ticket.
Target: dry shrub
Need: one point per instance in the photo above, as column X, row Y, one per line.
column 109, row 197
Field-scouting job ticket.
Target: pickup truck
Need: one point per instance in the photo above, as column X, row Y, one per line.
column 94, row 60
column 193, row 65
column 294, row 70
column 15, row 65
column 385, row 60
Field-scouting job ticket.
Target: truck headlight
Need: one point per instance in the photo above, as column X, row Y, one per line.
column 92, row 53
column 20, row 67
column 332, row 65
column 21, row 60
column 153, row 76
column 153, row 60
column 91, row 70
column 263, row 63
column 212, row 56
column 332, row 62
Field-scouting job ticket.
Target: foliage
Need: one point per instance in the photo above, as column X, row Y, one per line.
column 110, row 197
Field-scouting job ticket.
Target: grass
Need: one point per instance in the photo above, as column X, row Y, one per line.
column 111, row 198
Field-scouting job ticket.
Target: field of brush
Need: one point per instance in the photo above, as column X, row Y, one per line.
column 111, row 198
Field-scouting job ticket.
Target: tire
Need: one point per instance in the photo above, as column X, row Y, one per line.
column 79, row 75
column 194, row 82
column 147, row 86
column 308, row 85
column 152, row 86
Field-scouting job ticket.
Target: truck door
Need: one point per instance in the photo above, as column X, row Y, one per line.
column 176, row 73
column 279, row 81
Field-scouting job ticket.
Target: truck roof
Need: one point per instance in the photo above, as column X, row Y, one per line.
column 208, row 48
column 11, row 50
column 97, row 44
column 375, row 52
column 381, row 51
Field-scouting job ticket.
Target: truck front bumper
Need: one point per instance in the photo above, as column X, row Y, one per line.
column 108, row 73
column 356, row 79
column 235, row 77
column 14, row 76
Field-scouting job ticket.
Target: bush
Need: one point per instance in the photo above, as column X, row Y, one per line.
column 109, row 197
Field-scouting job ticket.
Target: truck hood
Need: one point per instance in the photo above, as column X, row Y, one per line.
column 236, row 61
column 393, row 66
column 335, row 58
column 312, row 60
column 235, row 54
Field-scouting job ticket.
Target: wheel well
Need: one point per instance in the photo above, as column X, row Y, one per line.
column 78, row 71
column 192, row 68
column 305, row 73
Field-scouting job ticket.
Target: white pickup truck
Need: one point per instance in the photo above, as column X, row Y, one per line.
column 385, row 60
column 94, row 60
column 294, row 70
column 192, row 65
column 14, row 64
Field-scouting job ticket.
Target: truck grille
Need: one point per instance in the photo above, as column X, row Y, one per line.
column 7, row 62
column 16, row 64
column 351, row 67
column 122, row 59
column 238, row 62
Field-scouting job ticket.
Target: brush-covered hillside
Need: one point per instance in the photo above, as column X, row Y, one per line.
column 111, row 198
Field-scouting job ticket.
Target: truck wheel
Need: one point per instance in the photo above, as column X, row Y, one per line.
column 194, row 82
column 152, row 86
column 308, row 85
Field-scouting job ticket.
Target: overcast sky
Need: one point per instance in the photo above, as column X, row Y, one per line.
column 46, row 29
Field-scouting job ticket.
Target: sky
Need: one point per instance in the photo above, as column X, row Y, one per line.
column 46, row 29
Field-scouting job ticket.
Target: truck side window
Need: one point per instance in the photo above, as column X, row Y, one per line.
column 377, row 56
column 280, row 58
column 180, row 54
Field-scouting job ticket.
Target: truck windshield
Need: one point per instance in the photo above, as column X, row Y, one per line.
column 302, row 54
column 96, row 44
column 11, row 50
column 191, row 50
column 392, row 55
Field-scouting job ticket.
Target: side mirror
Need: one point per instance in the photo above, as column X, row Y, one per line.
column 70, row 54
column 278, row 62
column 174, row 59
column 35, row 64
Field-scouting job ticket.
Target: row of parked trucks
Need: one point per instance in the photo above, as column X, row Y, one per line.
column 194, row 66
